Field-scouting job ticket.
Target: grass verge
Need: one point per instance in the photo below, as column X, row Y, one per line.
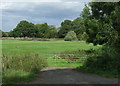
column 17, row 76
column 107, row 74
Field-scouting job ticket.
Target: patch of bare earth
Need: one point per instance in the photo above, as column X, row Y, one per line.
column 66, row 75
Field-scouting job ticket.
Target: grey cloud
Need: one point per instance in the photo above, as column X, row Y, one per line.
column 76, row 0
column 52, row 13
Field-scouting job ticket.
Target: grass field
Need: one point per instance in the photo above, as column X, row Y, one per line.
column 45, row 48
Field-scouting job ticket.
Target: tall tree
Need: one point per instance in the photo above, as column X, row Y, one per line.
column 99, row 22
column 24, row 29
column 66, row 26
column 103, row 27
column 52, row 32
column 42, row 29
column 78, row 26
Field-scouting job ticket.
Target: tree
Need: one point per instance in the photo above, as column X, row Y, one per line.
column 103, row 27
column 99, row 22
column 85, row 13
column 24, row 29
column 43, row 29
column 66, row 26
column 12, row 34
column 46, row 31
column 3, row 34
column 52, row 32
column 83, row 36
column 39, row 33
column 71, row 36
column 78, row 26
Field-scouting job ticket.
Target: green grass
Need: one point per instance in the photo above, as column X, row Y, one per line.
column 42, row 47
column 45, row 48
column 17, row 76
column 108, row 74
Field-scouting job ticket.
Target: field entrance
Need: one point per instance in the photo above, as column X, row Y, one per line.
column 63, row 60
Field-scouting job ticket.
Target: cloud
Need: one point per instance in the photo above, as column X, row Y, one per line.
column 46, row 0
column 50, row 12
column 31, row 1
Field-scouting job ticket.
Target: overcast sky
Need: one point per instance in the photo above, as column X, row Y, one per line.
column 52, row 12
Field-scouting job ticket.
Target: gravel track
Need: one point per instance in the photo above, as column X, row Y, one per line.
column 67, row 75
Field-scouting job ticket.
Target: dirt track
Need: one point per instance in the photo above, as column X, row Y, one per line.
column 66, row 75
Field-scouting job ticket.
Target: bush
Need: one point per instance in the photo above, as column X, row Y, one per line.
column 103, row 62
column 71, row 36
column 104, row 59
column 28, row 63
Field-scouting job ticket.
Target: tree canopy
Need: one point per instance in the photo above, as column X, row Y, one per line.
column 100, row 23
column 24, row 29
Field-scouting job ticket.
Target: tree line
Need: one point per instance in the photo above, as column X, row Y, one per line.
column 27, row 29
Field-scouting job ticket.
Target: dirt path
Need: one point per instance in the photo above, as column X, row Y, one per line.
column 66, row 75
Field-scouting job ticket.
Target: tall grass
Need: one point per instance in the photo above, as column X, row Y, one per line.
column 26, row 65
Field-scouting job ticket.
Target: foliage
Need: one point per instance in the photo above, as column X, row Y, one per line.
column 52, row 32
column 65, row 28
column 83, row 36
column 4, row 34
column 102, row 29
column 102, row 60
column 100, row 25
column 42, row 30
column 71, row 36
column 78, row 26
column 24, row 29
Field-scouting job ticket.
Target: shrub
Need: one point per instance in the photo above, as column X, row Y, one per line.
column 102, row 60
column 21, row 68
column 28, row 63
column 71, row 36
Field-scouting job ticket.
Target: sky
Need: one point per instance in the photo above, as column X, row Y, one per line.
column 52, row 12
